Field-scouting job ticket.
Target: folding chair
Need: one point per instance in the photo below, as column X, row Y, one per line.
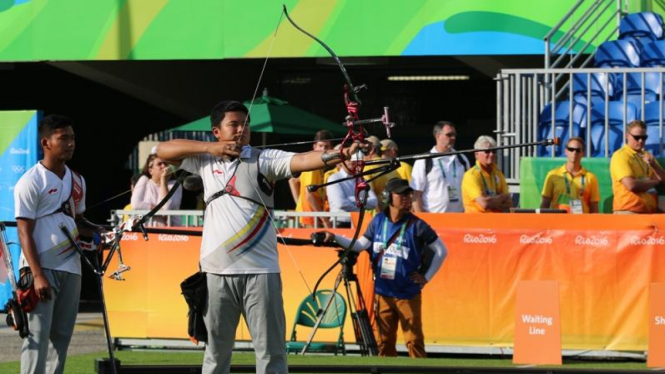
column 307, row 315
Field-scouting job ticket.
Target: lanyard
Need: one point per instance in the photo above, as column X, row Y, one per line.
column 385, row 232
column 572, row 179
column 443, row 171
column 485, row 185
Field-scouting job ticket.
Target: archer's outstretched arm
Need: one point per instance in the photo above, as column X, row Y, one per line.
column 315, row 160
column 174, row 151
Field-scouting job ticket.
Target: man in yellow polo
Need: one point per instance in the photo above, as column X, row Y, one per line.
column 571, row 186
column 484, row 188
column 635, row 174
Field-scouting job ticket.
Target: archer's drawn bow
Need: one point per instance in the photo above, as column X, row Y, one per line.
column 356, row 133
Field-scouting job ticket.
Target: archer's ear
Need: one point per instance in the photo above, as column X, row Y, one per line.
column 216, row 132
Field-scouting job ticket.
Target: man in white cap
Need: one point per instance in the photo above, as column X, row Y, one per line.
column 437, row 182
column 389, row 150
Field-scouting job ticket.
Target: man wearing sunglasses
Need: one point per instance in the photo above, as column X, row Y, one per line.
column 484, row 188
column 635, row 174
column 571, row 186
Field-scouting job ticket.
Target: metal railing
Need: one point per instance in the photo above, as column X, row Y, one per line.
column 590, row 24
column 521, row 98
column 194, row 218
column 595, row 23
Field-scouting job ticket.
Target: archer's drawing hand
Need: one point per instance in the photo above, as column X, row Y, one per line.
column 226, row 148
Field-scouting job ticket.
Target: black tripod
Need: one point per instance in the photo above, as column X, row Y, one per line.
column 362, row 327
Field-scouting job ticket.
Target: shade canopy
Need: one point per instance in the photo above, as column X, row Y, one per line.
column 272, row 115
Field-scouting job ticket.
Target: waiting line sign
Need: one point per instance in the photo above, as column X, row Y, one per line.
column 537, row 323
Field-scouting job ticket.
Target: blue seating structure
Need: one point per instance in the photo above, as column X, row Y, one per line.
column 640, row 44
column 642, row 25
column 634, row 87
column 599, row 83
column 641, row 28
column 653, row 54
column 617, row 53
column 615, row 122
column 652, row 115
column 561, row 126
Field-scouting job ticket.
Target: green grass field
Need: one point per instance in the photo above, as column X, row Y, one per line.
column 84, row 364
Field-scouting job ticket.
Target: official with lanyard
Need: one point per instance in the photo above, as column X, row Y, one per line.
column 484, row 187
column 405, row 253
column 571, row 187
column 635, row 174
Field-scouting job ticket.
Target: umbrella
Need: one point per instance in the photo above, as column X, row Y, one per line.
column 272, row 115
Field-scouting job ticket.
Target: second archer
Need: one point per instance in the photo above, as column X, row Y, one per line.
column 239, row 246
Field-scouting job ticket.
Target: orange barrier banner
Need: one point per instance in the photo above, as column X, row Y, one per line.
column 604, row 264
column 537, row 323
column 656, row 357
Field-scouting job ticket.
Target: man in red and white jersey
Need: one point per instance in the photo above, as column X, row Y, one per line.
column 47, row 196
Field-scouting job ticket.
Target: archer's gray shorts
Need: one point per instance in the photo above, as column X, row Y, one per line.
column 259, row 298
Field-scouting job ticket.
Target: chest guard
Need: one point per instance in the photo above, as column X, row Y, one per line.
column 248, row 183
column 70, row 207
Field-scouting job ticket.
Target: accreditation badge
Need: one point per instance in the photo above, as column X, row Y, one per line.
column 388, row 266
column 576, row 206
column 453, row 194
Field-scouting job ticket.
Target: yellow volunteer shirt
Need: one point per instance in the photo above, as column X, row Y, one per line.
column 404, row 171
column 307, row 178
column 627, row 163
column 477, row 182
column 560, row 187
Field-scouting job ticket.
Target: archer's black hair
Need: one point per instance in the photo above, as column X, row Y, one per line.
column 52, row 122
column 219, row 111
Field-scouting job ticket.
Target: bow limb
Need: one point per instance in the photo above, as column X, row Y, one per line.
column 352, row 89
column 356, row 133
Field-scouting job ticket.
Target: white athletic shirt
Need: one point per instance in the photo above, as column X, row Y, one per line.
column 37, row 194
column 446, row 170
column 238, row 235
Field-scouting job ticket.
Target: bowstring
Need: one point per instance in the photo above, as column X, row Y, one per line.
column 244, row 125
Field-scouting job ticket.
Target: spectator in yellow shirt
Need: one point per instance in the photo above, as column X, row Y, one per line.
column 484, row 187
column 389, row 150
column 635, row 174
column 312, row 201
column 571, row 186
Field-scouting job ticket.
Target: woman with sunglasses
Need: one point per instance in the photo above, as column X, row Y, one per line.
column 155, row 182
column 484, row 188
column 635, row 174
column 571, row 186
